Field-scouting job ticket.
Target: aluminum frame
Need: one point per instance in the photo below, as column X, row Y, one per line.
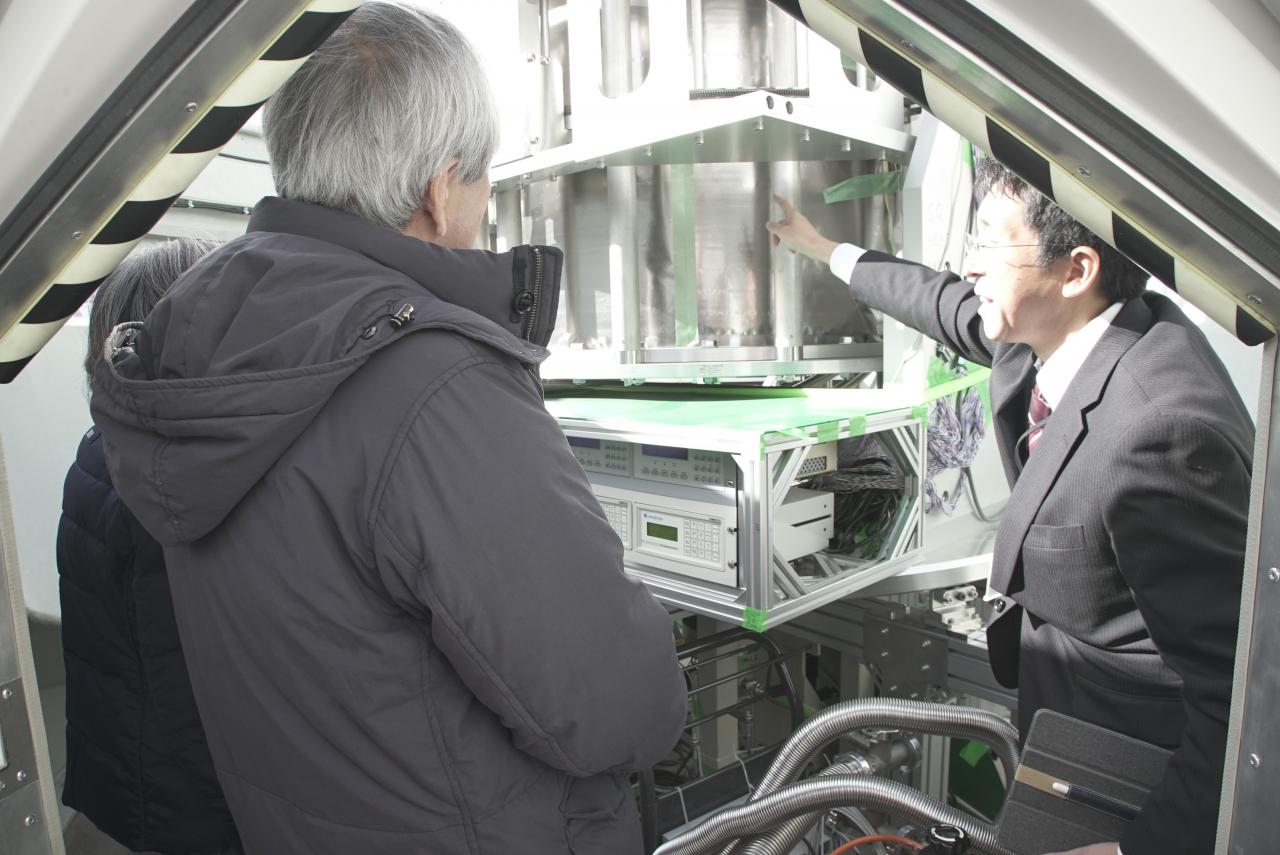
column 769, row 592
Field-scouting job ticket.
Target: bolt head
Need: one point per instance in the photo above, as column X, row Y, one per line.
column 6, row 694
column 1255, row 761
column 1255, row 299
column 29, row 821
column 20, row 777
column 884, row 630
column 191, row 106
column 1084, row 171
column 1274, row 574
column 77, row 235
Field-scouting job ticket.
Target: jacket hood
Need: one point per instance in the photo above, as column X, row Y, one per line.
column 197, row 403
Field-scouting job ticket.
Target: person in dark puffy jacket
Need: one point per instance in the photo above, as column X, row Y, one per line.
column 138, row 763
column 404, row 611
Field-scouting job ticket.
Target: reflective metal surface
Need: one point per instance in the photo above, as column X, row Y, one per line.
column 668, row 261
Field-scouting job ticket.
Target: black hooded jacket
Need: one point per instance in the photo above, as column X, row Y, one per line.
column 137, row 761
column 403, row 610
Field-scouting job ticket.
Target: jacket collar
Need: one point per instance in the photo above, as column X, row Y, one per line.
column 448, row 274
column 1062, row 433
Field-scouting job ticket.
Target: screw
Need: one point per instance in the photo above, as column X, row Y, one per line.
column 884, row 654
column 1274, row 574
column 6, row 694
column 1255, row 299
column 924, row 668
column 1084, row 171
column 884, row 630
column 1255, row 761
column 191, row 106
column 77, row 235
column 534, row 140
column 908, row 45
column 926, row 643
column 21, row 776
column 30, row 821
column 893, row 688
column 531, row 57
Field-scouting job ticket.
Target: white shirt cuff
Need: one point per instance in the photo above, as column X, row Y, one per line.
column 843, row 259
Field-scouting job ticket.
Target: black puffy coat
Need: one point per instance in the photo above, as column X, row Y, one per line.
column 138, row 764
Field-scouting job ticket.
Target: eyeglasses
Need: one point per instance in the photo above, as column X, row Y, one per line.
column 972, row 245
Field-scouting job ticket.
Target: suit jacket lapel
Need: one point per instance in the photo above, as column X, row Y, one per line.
column 1062, row 432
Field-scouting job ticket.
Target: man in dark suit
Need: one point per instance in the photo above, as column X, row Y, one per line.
column 1129, row 454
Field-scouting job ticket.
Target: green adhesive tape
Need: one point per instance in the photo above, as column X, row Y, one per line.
column 857, row 426
column 866, row 186
column 973, row 752
column 920, row 413
column 754, row 619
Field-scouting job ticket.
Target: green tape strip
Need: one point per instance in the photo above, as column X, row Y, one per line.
column 975, row 377
column 866, row 186
column 920, row 413
column 683, row 254
column 857, row 426
column 973, row 752
column 754, row 619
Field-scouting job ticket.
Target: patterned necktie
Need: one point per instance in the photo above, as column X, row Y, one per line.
column 1036, row 414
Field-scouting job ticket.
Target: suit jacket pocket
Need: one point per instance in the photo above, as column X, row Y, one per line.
column 1055, row 537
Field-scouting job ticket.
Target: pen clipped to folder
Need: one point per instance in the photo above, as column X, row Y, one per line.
column 1076, row 793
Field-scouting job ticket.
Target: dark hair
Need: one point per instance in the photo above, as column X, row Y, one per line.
column 134, row 288
column 1059, row 232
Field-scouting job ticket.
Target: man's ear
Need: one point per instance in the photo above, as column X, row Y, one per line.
column 435, row 199
column 1084, row 272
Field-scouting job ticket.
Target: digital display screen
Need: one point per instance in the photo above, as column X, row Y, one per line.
column 583, row 442
column 662, row 532
column 664, row 451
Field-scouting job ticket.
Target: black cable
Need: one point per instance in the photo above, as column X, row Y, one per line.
column 973, row 499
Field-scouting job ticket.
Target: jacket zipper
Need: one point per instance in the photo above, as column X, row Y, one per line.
column 532, row 319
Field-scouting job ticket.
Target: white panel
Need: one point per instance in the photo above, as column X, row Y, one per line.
column 171, row 176
column 258, row 82
column 1198, row 75
column 25, row 339
column 956, row 110
column 1081, row 202
column 59, row 62
column 94, row 262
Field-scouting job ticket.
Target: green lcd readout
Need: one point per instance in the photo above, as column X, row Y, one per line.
column 663, row 532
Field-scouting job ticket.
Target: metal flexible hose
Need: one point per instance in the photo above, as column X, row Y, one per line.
column 819, row 794
column 938, row 719
column 783, row 839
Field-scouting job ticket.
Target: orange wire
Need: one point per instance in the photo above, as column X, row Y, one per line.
column 846, row 848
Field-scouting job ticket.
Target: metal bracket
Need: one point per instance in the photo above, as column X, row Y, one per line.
column 907, row 663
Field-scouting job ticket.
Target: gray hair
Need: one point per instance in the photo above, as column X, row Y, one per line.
column 378, row 111
column 134, row 288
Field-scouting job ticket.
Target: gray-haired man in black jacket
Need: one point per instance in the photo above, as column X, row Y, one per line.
column 404, row 612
